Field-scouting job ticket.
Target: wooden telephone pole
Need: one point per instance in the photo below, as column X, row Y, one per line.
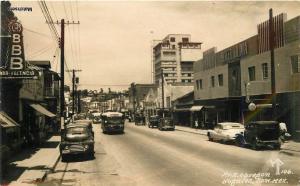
column 73, row 88
column 62, row 67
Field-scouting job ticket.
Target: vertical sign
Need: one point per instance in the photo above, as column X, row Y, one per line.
column 16, row 66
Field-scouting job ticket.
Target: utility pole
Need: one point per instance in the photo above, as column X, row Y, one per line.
column 272, row 45
column 162, row 93
column 62, row 72
column 73, row 88
column 62, row 67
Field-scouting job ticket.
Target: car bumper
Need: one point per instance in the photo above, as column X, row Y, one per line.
column 268, row 143
column 168, row 127
column 114, row 129
column 76, row 149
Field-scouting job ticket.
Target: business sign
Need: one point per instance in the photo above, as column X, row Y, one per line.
column 16, row 67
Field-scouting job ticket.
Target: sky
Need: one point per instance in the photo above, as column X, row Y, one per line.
column 112, row 43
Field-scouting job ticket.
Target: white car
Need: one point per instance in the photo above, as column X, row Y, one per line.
column 225, row 131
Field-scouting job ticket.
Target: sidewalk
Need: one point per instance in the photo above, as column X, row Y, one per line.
column 291, row 148
column 32, row 165
column 191, row 130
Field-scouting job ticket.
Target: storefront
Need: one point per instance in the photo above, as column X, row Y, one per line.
column 11, row 140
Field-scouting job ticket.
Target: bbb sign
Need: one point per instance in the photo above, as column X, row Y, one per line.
column 17, row 55
column 15, row 66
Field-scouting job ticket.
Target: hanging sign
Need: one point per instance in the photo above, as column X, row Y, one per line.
column 16, row 67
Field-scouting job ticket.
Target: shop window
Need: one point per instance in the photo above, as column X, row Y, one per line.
column 265, row 73
column 251, row 73
column 295, row 62
column 220, row 80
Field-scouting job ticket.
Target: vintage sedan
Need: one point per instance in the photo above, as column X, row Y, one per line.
column 166, row 123
column 153, row 121
column 260, row 134
column 225, row 132
column 77, row 139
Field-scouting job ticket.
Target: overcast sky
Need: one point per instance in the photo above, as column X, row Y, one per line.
column 112, row 44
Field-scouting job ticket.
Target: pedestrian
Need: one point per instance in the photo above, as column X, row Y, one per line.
column 196, row 124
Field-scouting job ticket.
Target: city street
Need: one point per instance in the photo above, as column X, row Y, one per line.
column 144, row 156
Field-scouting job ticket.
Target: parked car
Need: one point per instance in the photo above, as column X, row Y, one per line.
column 225, row 131
column 96, row 117
column 80, row 116
column 86, row 122
column 77, row 139
column 153, row 121
column 139, row 119
column 166, row 123
column 260, row 134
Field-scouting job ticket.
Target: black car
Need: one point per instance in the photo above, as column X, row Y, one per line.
column 139, row 119
column 166, row 123
column 153, row 121
column 259, row 134
column 77, row 139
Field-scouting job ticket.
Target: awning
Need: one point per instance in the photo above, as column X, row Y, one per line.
column 7, row 121
column 196, row 108
column 182, row 110
column 42, row 110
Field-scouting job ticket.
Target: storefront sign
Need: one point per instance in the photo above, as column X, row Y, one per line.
column 16, row 66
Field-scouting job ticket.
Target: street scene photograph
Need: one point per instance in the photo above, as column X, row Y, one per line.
column 150, row 93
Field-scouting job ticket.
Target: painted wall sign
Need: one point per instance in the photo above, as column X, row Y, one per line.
column 16, row 67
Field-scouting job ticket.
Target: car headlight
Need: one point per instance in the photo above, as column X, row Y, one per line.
column 66, row 147
column 86, row 146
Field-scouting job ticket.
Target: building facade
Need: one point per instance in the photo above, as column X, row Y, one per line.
column 232, row 78
column 173, row 57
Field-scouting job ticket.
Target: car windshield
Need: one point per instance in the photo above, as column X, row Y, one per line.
column 77, row 130
column 115, row 120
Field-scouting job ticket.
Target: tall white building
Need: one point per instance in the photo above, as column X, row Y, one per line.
column 174, row 57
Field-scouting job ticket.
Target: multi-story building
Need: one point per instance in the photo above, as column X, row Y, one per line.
column 229, row 80
column 174, row 57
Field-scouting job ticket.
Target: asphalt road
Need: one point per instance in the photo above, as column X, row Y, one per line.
column 144, row 156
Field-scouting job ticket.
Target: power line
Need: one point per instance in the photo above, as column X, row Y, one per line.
column 38, row 33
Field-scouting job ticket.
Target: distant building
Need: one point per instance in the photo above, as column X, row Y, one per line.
column 174, row 57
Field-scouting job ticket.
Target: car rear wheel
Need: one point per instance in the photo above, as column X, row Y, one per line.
column 209, row 137
column 254, row 145
column 63, row 157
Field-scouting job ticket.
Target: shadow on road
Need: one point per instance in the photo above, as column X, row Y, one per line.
column 78, row 158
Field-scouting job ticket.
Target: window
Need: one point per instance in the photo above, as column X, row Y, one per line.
column 189, row 75
column 167, row 53
column 220, row 80
column 212, row 78
column 185, row 39
column 172, row 39
column 197, row 84
column 251, row 72
column 173, row 46
column 200, row 84
column 189, row 80
column 295, row 64
column 264, row 68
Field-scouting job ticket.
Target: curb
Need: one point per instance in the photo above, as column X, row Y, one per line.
column 52, row 167
column 193, row 132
